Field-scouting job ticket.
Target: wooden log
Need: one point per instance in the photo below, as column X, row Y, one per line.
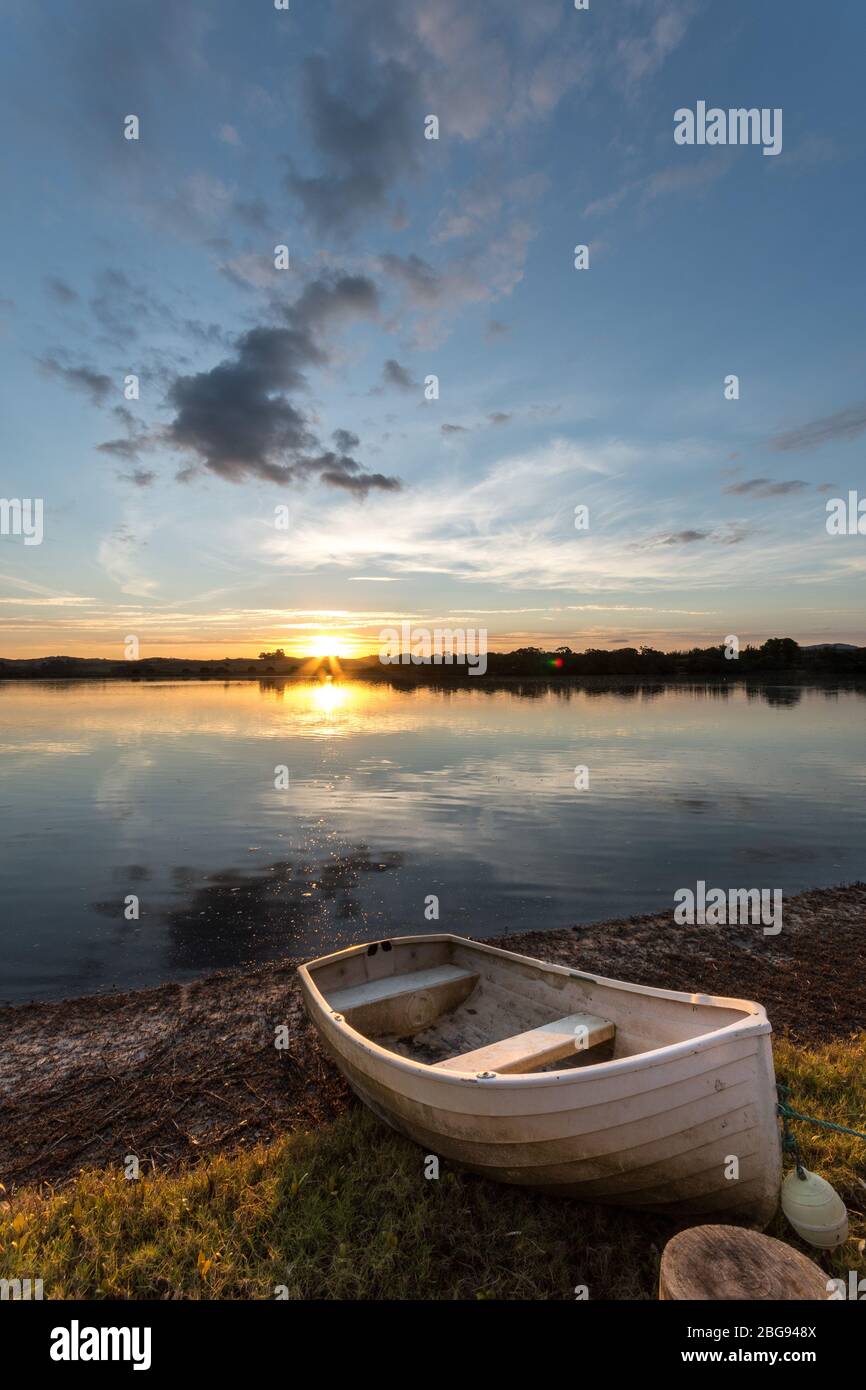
column 730, row 1262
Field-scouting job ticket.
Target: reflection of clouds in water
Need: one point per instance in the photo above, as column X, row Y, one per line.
column 19, row 755
column 117, row 792
column 471, row 791
column 238, row 918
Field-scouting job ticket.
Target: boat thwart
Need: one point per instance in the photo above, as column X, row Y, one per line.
column 537, row 1074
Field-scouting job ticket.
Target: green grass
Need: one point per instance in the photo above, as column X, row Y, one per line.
column 829, row 1082
column 348, row 1214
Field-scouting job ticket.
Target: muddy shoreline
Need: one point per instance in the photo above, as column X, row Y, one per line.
column 182, row 1070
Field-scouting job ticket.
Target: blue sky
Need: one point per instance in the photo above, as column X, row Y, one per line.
column 304, row 388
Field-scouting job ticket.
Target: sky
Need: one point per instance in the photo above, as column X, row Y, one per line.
column 284, row 473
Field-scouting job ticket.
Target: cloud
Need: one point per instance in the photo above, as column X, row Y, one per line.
column 95, row 384
column 844, row 425
column 765, row 487
column 136, row 440
column 683, row 538
column 417, row 275
column 239, row 419
column 393, row 374
column 486, row 68
column 367, row 137
column 229, row 136
column 496, row 328
column 601, row 206
column 140, row 477
column 677, row 178
column 60, row 291
column 337, row 476
column 254, row 212
column 685, row 177
column 730, row 534
column 117, row 553
column 120, row 307
column 812, row 152
column 638, row 56
column 496, row 418
column 509, row 527
column 486, row 270
column 121, row 448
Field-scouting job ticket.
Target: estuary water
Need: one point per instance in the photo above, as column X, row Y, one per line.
column 157, row 831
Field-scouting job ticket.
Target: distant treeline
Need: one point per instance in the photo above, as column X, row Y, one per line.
column 779, row 656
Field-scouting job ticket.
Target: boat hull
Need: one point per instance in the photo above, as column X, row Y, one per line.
column 686, row 1129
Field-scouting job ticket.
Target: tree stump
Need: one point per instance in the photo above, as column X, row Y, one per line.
column 729, row 1262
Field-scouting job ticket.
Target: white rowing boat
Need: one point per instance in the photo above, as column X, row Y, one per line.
column 537, row 1074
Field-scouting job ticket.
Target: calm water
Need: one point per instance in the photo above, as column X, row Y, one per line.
column 167, row 791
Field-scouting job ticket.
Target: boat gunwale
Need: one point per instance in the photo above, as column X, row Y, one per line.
column 755, row 1024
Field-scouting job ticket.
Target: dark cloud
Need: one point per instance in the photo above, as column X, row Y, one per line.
column 120, row 307
column 60, row 291
column 136, row 439
column 730, row 534
column 254, row 212
column 415, row 274
column 139, row 477
column 360, row 484
column 683, row 538
column 499, row 417
column 239, row 419
column 366, row 136
column 236, row 418
column 328, row 299
column 845, row 424
column 453, row 429
column 393, row 374
column 120, row 448
column 765, row 487
column 496, row 328
column 81, row 378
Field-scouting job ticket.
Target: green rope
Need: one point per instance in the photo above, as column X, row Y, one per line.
column 789, row 1141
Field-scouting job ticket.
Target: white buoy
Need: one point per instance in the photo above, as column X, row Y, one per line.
column 815, row 1210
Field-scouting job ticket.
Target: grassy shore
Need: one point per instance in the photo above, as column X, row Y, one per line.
column 347, row 1213
column 259, row 1171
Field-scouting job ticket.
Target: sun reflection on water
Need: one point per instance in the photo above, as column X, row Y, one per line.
column 329, row 697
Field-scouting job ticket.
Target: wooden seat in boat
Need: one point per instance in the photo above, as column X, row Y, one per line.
column 528, row 1051
column 403, row 1004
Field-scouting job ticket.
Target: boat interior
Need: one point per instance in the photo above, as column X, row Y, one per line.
column 457, row 1006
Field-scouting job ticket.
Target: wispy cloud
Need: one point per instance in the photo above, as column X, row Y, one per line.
column 844, row 425
column 765, row 487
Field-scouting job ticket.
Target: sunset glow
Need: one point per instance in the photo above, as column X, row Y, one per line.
column 328, row 644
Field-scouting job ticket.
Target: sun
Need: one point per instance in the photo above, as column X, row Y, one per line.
column 328, row 644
